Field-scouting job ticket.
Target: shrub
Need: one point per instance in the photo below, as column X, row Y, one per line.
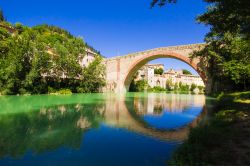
column 157, row 89
column 64, row 92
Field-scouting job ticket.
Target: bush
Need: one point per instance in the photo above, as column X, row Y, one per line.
column 141, row 86
column 64, row 92
column 61, row 91
column 157, row 89
column 193, row 86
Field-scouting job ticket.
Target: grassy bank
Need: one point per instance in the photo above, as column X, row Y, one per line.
column 224, row 139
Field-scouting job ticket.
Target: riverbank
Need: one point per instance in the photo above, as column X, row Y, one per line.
column 224, row 139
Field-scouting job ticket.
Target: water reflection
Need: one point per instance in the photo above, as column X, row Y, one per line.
column 169, row 111
column 87, row 123
column 46, row 129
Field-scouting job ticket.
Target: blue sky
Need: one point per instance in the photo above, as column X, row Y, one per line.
column 116, row 27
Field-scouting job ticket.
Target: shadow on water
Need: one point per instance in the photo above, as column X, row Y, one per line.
column 89, row 128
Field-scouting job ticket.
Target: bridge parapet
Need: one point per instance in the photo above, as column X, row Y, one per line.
column 191, row 47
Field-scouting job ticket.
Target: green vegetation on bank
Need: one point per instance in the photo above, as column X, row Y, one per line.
column 35, row 60
column 224, row 139
column 142, row 85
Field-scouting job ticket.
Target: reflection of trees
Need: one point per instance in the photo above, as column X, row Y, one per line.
column 47, row 129
column 158, row 109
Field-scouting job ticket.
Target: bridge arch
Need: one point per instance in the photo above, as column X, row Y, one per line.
column 156, row 55
column 120, row 70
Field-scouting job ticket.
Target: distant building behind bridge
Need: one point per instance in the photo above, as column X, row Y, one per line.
column 147, row 73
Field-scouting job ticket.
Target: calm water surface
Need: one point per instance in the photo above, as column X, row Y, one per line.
column 95, row 129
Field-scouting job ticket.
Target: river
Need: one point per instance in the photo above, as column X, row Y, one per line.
column 96, row 129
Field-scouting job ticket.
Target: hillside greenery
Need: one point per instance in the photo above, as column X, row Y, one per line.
column 34, row 60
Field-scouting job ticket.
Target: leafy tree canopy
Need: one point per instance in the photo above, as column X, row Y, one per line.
column 185, row 71
column 34, row 59
column 158, row 71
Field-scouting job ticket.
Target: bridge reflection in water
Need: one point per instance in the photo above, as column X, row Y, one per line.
column 125, row 112
column 44, row 123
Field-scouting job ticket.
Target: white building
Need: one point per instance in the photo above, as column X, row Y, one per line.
column 88, row 58
column 147, row 73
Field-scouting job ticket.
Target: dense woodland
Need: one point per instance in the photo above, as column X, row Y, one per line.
column 33, row 60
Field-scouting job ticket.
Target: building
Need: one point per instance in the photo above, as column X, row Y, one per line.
column 186, row 79
column 88, row 58
column 175, row 77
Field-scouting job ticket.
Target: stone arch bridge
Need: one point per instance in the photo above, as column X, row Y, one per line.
column 120, row 69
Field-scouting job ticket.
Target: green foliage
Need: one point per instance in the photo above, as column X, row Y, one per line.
column 186, row 72
column 61, row 91
column 176, row 86
column 169, row 85
column 64, row 92
column 35, row 58
column 92, row 77
column 157, row 89
column 182, row 87
column 192, row 87
column 158, row 71
column 132, row 86
column 139, row 86
column 228, row 51
column 201, row 88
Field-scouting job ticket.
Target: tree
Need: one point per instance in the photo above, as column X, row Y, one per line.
column 176, row 87
column 158, row 71
column 141, row 85
column 35, row 60
column 193, row 86
column 92, row 78
column 227, row 54
column 183, row 87
column 184, row 71
column 169, row 84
